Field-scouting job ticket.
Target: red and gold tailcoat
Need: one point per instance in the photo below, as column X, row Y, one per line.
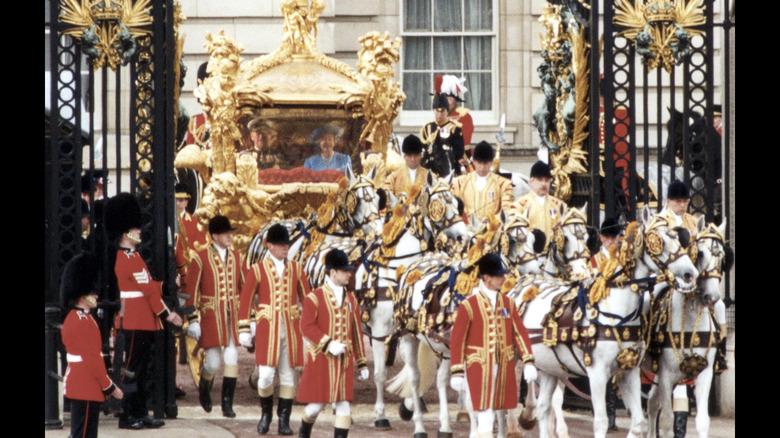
column 277, row 301
column 141, row 295
column 213, row 287
column 327, row 378
column 86, row 377
column 483, row 337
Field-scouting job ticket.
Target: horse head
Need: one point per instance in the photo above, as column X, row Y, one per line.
column 569, row 244
column 359, row 203
column 521, row 251
column 662, row 252
column 439, row 211
column 712, row 257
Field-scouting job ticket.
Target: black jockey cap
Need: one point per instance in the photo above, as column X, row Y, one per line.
column 440, row 102
column 490, row 264
column 220, row 224
column 202, row 72
column 610, row 227
column 484, row 152
column 337, row 259
column 412, row 145
column 677, row 190
column 278, row 235
column 123, row 213
column 540, row 169
column 182, row 191
column 80, row 277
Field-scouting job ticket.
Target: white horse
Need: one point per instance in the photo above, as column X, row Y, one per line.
column 574, row 326
column 424, row 219
column 672, row 356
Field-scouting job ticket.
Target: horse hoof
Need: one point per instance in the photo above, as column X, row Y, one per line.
column 404, row 413
column 383, row 424
column 441, row 434
column 463, row 417
column 421, row 435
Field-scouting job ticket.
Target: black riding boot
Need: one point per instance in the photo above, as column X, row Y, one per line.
column 680, row 424
column 267, row 405
column 305, row 431
column 204, row 393
column 228, row 389
column 340, row 433
column 283, row 410
column 611, row 406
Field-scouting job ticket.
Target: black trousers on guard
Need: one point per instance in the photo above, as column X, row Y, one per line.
column 138, row 349
column 84, row 416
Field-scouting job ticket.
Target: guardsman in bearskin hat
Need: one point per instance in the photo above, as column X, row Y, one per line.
column 332, row 325
column 487, row 330
column 213, row 284
column 412, row 173
column 483, row 192
column 86, row 383
column 143, row 309
column 443, row 141
column 544, row 210
column 280, row 285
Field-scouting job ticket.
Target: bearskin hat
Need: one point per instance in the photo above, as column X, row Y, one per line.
column 123, row 213
column 80, row 277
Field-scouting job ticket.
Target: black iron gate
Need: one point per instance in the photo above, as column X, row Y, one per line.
column 135, row 154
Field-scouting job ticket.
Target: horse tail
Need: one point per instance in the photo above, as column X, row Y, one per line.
column 428, row 364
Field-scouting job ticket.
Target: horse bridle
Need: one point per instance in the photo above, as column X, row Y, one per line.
column 349, row 201
column 654, row 244
column 517, row 223
column 714, row 266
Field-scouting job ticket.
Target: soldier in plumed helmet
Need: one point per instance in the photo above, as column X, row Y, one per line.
column 87, row 383
column 142, row 309
column 279, row 285
column 484, row 192
column 443, row 141
column 213, row 284
column 332, row 325
column 412, row 172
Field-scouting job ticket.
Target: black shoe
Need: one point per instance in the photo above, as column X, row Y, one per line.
column 305, row 431
column 611, row 406
column 228, row 389
column 152, row 423
column 180, row 391
column 680, row 424
column 283, row 411
column 340, row 433
column 267, row 405
column 204, row 393
column 131, row 423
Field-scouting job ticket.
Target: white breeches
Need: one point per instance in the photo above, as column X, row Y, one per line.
column 215, row 355
column 286, row 375
column 312, row 410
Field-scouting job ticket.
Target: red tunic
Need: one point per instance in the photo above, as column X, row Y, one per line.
column 462, row 116
column 481, row 338
column 141, row 296
column 86, row 377
column 213, row 287
column 327, row 378
column 277, row 301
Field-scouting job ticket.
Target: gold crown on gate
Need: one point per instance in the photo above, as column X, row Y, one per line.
column 657, row 11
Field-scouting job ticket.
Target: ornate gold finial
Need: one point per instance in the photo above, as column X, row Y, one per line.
column 661, row 29
column 108, row 30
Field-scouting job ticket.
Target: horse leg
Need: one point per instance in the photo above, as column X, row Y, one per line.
column 442, row 382
column 547, row 384
column 598, row 378
column 561, row 430
column 659, row 406
column 501, row 418
column 409, row 346
column 380, row 378
column 702, row 394
column 630, row 384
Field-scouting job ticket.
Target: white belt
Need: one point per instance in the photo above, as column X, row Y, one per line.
column 133, row 294
column 74, row 358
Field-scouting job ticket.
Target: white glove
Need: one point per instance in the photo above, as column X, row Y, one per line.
column 253, row 328
column 363, row 374
column 456, row 383
column 193, row 330
column 335, row 348
column 245, row 339
column 530, row 373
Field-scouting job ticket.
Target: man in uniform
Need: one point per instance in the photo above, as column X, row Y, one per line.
column 213, row 284
column 487, row 330
column 86, row 382
column 332, row 325
column 279, row 284
column 608, row 234
column 412, row 173
column 453, row 88
column 483, row 192
column 544, row 210
column 190, row 238
column 443, row 140
column 264, row 144
column 143, row 309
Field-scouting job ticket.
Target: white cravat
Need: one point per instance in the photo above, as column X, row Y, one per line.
column 338, row 291
column 491, row 294
column 481, row 182
column 412, row 175
column 278, row 264
column 541, row 199
column 677, row 219
column 222, row 252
